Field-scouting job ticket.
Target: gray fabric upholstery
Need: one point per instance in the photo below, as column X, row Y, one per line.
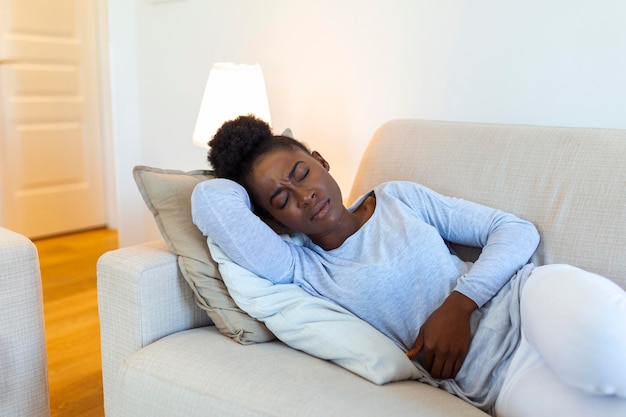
column 23, row 358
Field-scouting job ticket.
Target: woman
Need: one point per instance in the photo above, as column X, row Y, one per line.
column 387, row 260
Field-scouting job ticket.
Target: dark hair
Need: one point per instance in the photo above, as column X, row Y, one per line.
column 238, row 143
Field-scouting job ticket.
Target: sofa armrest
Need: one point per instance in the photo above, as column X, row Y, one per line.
column 142, row 297
column 23, row 358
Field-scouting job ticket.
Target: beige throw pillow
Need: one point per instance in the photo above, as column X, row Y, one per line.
column 167, row 194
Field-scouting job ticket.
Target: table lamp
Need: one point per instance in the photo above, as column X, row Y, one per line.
column 232, row 90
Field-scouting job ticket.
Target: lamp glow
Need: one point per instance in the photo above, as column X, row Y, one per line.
column 232, row 90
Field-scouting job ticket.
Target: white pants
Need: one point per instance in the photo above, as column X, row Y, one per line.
column 572, row 358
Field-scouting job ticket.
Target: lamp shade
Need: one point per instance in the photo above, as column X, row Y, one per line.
column 232, row 90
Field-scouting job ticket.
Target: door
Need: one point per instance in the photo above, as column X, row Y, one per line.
column 51, row 176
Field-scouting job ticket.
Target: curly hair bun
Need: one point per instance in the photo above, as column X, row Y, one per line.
column 233, row 145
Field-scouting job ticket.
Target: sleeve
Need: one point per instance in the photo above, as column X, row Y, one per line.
column 221, row 209
column 507, row 241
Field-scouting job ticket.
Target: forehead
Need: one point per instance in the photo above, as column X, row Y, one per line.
column 271, row 168
column 278, row 160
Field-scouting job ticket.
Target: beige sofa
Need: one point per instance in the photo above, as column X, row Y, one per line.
column 23, row 358
column 162, row 357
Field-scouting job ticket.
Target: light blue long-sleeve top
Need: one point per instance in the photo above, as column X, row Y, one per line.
column 397, row 268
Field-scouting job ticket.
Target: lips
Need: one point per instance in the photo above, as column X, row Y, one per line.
column 320, row 209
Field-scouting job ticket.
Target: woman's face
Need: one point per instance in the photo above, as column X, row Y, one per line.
column 296, row 189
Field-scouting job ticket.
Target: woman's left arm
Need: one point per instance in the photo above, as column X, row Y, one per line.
column 507, row 244
column 506, row 241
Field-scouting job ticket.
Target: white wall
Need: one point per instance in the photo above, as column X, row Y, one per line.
column 337, row 69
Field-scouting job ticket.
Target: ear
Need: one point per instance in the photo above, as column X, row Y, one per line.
column 321, row 160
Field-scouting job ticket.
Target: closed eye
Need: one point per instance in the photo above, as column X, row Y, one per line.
column 302, row 178
column 284, row 204
column 298, row 173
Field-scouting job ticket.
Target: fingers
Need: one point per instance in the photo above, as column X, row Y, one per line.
column 442, row 345
column 417, row 347
column 438, row 365
column 442, row 365
column 448, row 368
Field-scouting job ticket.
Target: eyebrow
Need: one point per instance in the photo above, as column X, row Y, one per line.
column 290, row 176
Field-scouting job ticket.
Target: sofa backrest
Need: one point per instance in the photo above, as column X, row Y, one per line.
column 570, row 182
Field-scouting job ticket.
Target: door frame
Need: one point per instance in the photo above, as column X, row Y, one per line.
column 105, row 114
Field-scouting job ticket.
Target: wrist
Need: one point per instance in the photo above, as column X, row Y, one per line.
column 461, row 303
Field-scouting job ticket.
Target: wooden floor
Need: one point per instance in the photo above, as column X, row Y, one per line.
column 68, row 269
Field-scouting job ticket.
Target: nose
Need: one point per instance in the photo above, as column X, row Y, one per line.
column 306, row 196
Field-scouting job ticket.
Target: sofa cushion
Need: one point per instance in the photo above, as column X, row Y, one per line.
column 269, row 379
column 315, row 325
column 167, row 193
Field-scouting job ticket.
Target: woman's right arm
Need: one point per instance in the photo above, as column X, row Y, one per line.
column 222, row 209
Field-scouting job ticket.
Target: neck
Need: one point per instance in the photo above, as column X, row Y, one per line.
column 349, row 224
